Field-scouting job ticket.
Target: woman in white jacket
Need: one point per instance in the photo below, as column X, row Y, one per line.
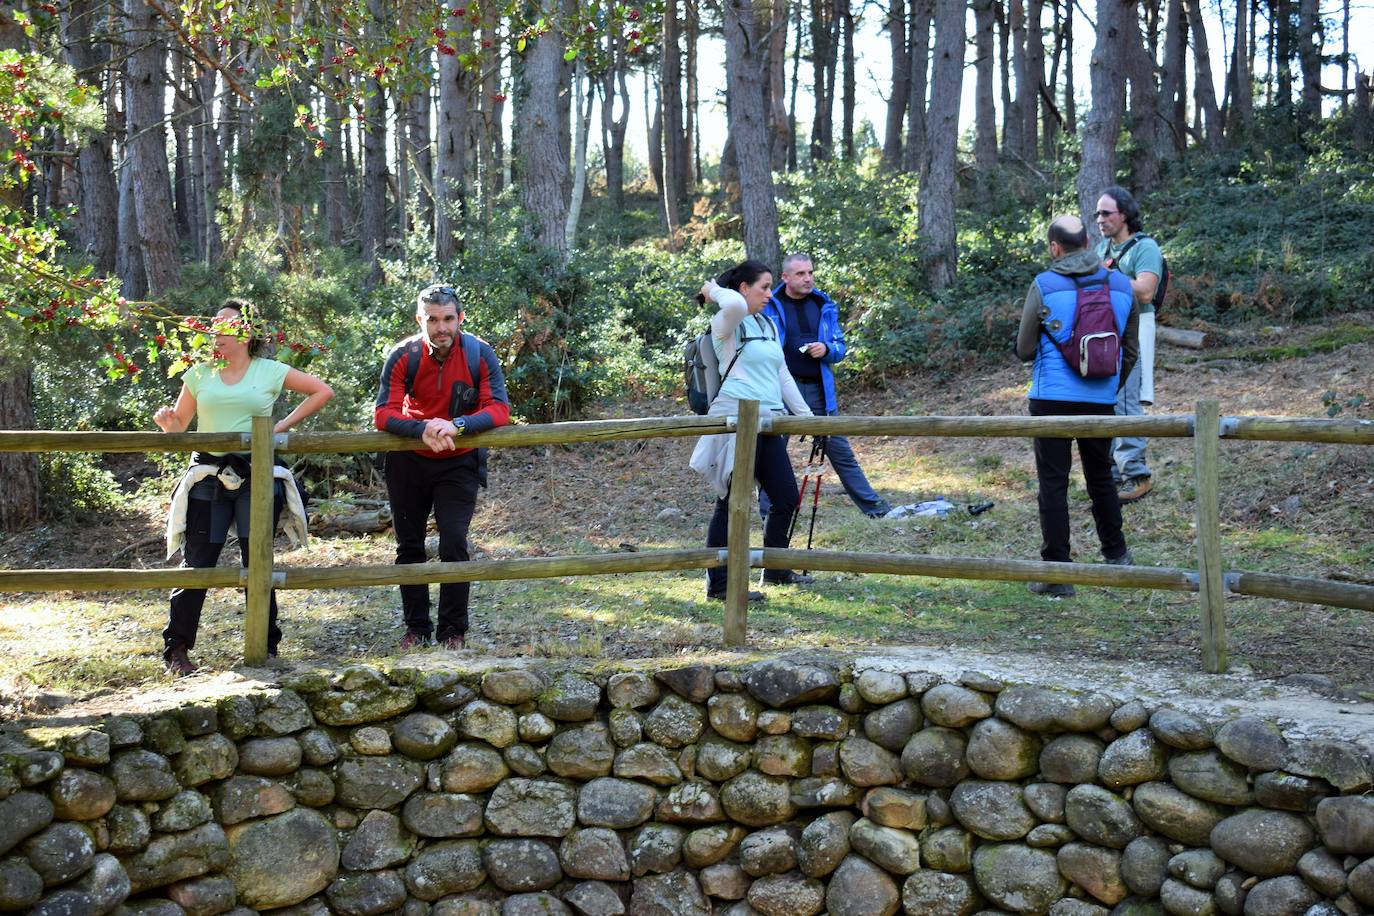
column 747, row 342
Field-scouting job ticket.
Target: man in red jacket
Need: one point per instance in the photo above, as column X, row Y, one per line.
column 438, row 386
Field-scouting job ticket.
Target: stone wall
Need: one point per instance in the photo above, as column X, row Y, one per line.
column 778, row 787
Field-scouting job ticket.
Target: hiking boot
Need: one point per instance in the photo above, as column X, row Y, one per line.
column 456, row 641
column 1052, row 589
column 720, row 596
column 1124, row 560
column 413, row 640
column 1134, row 488
column 789, row 577
column 178, row 665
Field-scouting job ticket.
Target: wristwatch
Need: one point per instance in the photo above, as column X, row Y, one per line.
column 460, row 426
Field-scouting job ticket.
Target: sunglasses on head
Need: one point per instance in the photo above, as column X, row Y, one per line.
column 437, row 293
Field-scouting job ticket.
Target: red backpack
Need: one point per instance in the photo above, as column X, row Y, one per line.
column 1093, row 349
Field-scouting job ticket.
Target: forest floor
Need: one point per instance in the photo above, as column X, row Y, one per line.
column 1287, row 508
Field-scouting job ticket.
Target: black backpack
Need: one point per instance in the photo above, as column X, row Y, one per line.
column 1163, row 287
column 701, row 373
column 462, row 401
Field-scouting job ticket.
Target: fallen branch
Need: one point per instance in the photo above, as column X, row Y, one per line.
column 137, row 546
column 1176, row 337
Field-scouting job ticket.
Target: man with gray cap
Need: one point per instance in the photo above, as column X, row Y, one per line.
column 1059, row 297
column 437, row 386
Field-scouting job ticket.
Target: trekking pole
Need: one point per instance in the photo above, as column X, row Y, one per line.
column 819, row 448
column 806, row 478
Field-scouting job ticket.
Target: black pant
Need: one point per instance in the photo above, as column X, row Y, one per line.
column 209, row 510
column 448, row 487
column 773, row 471
column 1053, row 458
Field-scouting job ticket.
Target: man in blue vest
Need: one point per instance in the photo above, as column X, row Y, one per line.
column 812, row 341
column 1059, row 390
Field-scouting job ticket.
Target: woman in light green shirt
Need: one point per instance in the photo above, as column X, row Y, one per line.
column 225, row 399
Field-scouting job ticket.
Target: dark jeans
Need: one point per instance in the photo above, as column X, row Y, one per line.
column 1053, row 458
column 209, row 510
column 773, row 471
column 841, row 457
column 448, row 487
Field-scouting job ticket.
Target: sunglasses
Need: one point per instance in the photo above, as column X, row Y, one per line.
column 439, row 293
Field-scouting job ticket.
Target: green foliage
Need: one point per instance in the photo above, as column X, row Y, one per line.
column 76, row 486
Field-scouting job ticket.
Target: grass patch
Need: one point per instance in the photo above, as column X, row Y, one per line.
column 1324, row 340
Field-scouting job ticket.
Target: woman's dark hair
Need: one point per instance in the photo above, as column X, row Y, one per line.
column 257, row 346
column 747, row 271
column 1130, row 210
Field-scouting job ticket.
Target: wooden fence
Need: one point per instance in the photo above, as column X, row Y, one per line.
column 1206, row 427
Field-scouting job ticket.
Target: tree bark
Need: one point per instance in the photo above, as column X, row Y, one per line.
column 984, row 105
column 211, row 166
column 98, row 218
column 674, row 182
column 615, row 90
column 1241, row 111
column 1362, row 118
column 1310, row 37
column 451, row 147
column 691, row 130
column 1035, row 77
column 1204, row 89
column 900, row 90
column 745, row 57
column 374, row 163
column 796, row 82
column 1102, row 126
column 1014, row 118
column 936, row 202
column 779, row 127
column 1003, row 17
column 421, row 150
column 335, row 178
column 541, row 149
column 582, row 125
column 918, row 43
column 849, row 88
column 145, row 115
column 182, row 193
column 653, row 115
column 1070, row 100
column 823, row 42
column 1144, row 109
column 1172, row 94
column 1281, row 48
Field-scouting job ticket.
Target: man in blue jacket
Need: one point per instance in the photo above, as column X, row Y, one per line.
column 812, row 340
column 1058, row 390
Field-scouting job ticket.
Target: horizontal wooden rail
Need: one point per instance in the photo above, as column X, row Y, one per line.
column 1297, row 588
column 518, row 436
column 1163, row 426
column 24, row 440
column 1284, row 429
column 1156, row 577
column 493, row 570
column 95, row 580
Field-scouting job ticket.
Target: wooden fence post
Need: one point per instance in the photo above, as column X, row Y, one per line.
column 1211, row 592
column 259, row 544
column 740, row 505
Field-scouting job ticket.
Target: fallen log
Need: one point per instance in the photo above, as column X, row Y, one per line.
column 359, row 523
column 1177, row 337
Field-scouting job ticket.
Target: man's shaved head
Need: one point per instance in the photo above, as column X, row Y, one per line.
column 1069, row 232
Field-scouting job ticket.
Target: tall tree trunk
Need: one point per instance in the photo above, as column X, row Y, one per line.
column 901, row 84
column 1282, row 49
column 653, row 116
column 1241, row 111
column 422, row 150
column 133, row 281
column 145, row 114
column 1310, row 37
column 849, row 89
column 1035, row 76
column 984, row 106
column 796, row 82
column 451, row 147
column 1204, row 89
column 182, row 193
column 914, row 156
column 779, row 128
column 1070, row 99
column 823, row 79
column 1054, row 118
column 745, row 58
column 1003, row 17
column 582, row 124
column 936, row 202
column 1102, row 126
column 1173, row 139
column 1014, row 118
column 335, row 180
column 1345, row 55
column 614, row 93
column 374, row 162
column 691, row 134
column 211, row 165
column 19, row 481
column 1144, row 109
column 98, row 215
column 1362, row 118
column 543, row 167
column 674, row 182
